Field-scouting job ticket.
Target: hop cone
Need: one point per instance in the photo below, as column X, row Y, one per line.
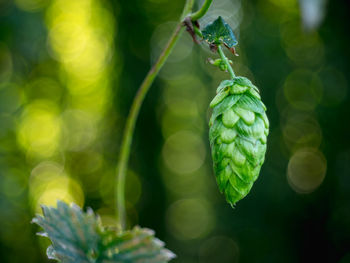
column 238, row 131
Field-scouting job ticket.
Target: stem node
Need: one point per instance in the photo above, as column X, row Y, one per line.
column 226, row 61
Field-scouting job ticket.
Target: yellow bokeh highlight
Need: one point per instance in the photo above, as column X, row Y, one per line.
column 80, row 38
column 94, row 103
column 90, row 63
column 49, row 182
column 67, row 39
column 39, row 129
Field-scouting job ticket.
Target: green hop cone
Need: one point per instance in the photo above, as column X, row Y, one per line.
column 238, row 131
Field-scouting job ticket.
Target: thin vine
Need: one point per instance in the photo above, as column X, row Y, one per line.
column 201, row 12
column 136, row 105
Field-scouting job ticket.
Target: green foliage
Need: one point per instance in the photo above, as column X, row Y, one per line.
column 238, row 131
column 80, row 237
column 219, row 32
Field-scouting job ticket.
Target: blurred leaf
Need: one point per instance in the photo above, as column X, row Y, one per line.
column 79, row 237
column 219, row 32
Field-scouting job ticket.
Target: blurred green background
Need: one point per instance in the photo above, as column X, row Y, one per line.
column 69, row 70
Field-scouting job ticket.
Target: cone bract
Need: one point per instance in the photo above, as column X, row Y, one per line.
column 238, row 131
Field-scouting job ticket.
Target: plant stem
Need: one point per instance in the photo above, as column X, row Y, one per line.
column 134, row 111
column 225, row 60
column 197, row 32
column 201, row 12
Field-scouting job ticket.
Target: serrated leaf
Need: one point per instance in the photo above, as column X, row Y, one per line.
column 137, row 246
column 219, row 32
column 72, row 232
column 78, row 236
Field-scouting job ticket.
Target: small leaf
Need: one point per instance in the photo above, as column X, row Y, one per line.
column 219, row 32
column 78, row 236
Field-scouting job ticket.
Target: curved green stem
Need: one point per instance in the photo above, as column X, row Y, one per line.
column 197, row 32
column 225, row 60
column 134, row 111
column 201, row 12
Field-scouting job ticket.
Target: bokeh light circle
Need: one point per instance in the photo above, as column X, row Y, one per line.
column 303, row 89
column 302, row 130
column 302, row 48
column 190, row 218
column 306, row 170
column 49, row 182
column 79, row 130
column 160, row 38
column 184, row 152
column 39, row 129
